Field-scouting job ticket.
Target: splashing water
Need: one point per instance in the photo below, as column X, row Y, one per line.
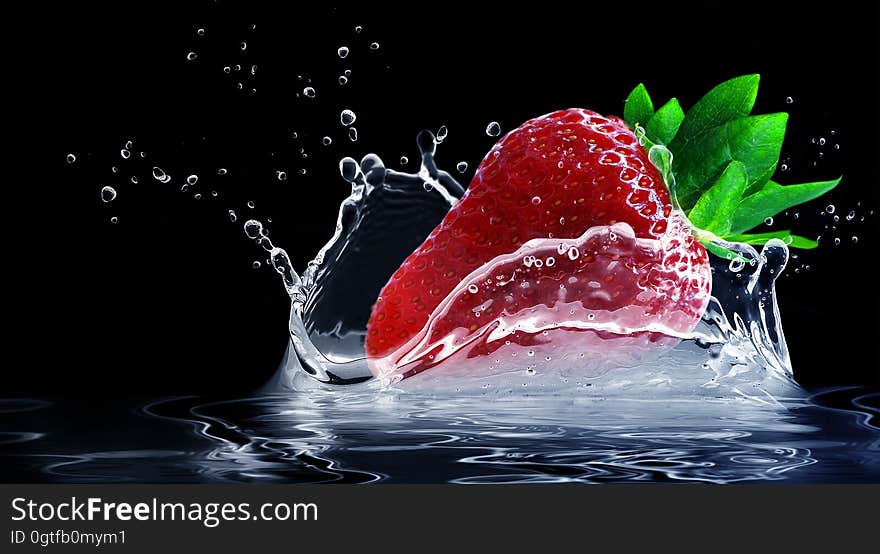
column 737, row 350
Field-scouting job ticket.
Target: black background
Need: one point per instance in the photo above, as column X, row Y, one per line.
column 166, row 300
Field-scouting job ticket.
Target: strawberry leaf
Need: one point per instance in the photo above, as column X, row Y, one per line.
column 755, row 141
column 785, row 236
column 730, row 100
column 638, row 107
column 714, row 209
column 772, row 199
column 663, row 126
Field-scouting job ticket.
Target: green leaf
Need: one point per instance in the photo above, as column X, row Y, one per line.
column 714, row 209
column 772, row 199
column 730, row 100
column 638, row 107
column 785, row 236
column 755, row 141
column 724, row 253
column 664, row 124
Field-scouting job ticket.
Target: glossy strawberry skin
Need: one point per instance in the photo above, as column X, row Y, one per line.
column 555, row 177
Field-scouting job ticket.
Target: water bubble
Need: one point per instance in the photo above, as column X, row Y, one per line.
column 239, row 86
column 837, row 147
column 281, row 175
column 125, row 154
column 158, row 174
column 309, row 92
column 836, row 241
column 442, row 133
column 221, row 171
column 227, row 69
column 855, row 239
column 200, row 31
column 493, row 129
column 347, row 73
column 192, row 56
column 530, row 371
column 822, row 141
column 214, row 193
column 768, row 221
column 326, row 141
column 342, row 52
column 108, row 193
column 343, row 80
column 114, row 169
column 256, row 265
column 253, row 228
column 251, row 204
column 573, row 253
column 243, row 45
column 233, row 217
column 404, row 160
column 71, row 158
column 789, row 100
column 461, row 167
column 353, row 134
column 134, row 180
column 836, row 218
column 473, row 289
column 358, row 28
column 551, row 261
column 192, row 180
column 128, row 145
column 851, row 215
column 530, row 353
column 347, row 117
column 374, row 46
column 536, row 200
column 784, row 167
column 303, row 171
column 830, row 208
column 114, row 220
column 197, row 196
column 237, row 67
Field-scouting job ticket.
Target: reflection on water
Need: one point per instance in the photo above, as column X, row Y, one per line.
column 377, row 436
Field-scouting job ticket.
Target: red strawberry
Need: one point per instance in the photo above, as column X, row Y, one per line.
column 565, row 238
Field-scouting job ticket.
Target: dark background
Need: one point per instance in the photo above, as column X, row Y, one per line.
column 166, row 301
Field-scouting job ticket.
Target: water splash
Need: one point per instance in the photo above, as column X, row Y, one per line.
column 737, row 349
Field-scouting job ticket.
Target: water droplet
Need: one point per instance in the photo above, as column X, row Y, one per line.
column 256, row 265
column 343, row 51
column 789, row 100
column 821, row 141
column 536, row 200
column 347, row 73
column 326, row 141
column 251, row 204
column 158, row 174
column 352, row 134
column 125, row 154
column 551, row 261
column 830, row 208
column 303, row 171
column 836, row 241
column 233, row 217
column 253, row 229
column 197, row 196
column 114, row 169
column 347, row 117
column 855, row 239
column 461, row 167
column 192, row 180
column 214, row 193
column 768, row 221
column 473, row 289
column 237, row 67
column 221, row 171
column 851, row 215
column 108, row 194
column 134, row 179
column 114, row 220
column 309, row 92
column 784, row 167
column 442, row 133
column 200, row 32
column 243, row 45
column 358, row 28
column 192, row 56
column 530, row 371
column 71, row 158
column 573, row 253
column 530, row 353
column 837, row 147
column 281, row 175
column 836, row 218
column 227, row 69
column 239, row 86
column 404, row 160
column 493, row 129
column 374, row 46
column 343, row 80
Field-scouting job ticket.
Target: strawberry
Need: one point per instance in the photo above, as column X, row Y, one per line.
column 567, row 243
